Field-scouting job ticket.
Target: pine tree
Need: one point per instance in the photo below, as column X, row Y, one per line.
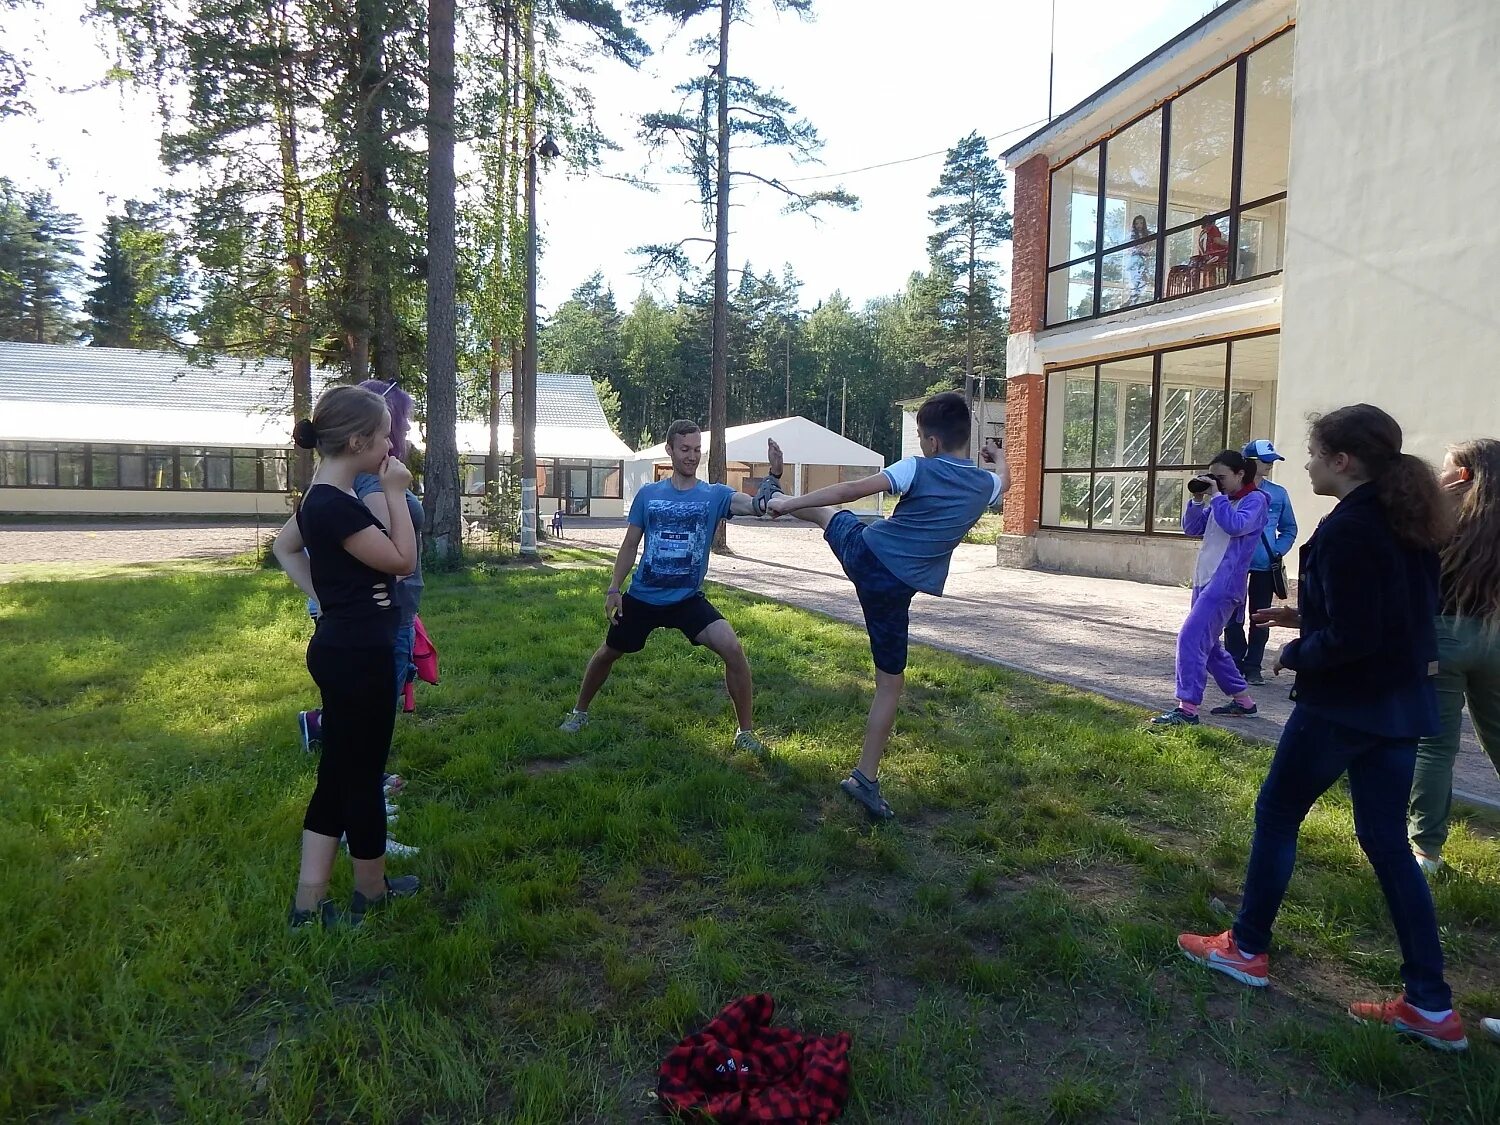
column 38, row 267
column 971, row 223
column 139, row 286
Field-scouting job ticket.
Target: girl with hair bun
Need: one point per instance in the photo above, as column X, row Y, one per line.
column 337, row 552
column 1364, row 657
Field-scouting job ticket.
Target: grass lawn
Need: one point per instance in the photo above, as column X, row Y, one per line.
column 1004, row 953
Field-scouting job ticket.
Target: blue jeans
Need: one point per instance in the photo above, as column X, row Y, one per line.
column 1312, row 754
column 406, row 637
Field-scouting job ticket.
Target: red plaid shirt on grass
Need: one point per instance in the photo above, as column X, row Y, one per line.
column 740, row 1068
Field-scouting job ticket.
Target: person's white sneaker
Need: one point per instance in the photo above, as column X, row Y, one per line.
column 575, row 721
column 394, row 850
column 1491, row 1027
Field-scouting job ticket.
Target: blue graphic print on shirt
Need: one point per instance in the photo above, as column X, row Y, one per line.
column 679, row 527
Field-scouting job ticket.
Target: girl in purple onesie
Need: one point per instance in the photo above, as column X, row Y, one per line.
column 1229, row 514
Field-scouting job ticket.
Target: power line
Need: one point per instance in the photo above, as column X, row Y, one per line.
column 834, row 175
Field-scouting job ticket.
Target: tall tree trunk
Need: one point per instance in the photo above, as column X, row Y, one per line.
column 969, row 341
column 718, row 405
column 492, row 458
column 517, row 393
column 503, row 216
column 516, row 261
column 444, row 516
column 294, row 238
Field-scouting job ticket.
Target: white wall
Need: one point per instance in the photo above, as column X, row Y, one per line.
column 123, row 501
column 1392, row 283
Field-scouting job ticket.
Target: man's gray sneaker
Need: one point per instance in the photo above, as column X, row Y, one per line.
column 746, row 740
column 575, row 721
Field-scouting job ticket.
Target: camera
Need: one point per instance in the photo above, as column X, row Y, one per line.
column 1198, row 485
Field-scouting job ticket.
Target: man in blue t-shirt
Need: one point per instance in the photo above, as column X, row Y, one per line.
column 677, row 518
column 942, row 495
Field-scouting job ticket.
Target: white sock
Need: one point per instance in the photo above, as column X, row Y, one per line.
column 1435, row 1017
column 746, row 730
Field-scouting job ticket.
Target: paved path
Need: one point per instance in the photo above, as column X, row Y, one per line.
column 125, row 542
column 1111, row 637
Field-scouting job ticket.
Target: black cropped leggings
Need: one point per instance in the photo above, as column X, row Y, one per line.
column 359, row 715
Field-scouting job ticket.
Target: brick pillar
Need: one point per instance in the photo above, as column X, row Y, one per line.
column 1023, row 450
column 1025, row 382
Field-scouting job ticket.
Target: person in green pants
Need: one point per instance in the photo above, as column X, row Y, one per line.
column 1468, row 643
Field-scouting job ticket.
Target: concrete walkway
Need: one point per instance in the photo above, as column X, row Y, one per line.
column 1111, row 637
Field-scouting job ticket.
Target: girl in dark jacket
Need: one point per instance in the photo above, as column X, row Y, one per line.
column 1364, row 660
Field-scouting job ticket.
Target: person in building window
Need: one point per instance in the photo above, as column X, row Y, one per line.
column 1276, row 540
column 1228, row 512
column 1364, row 656
column 1213, row 252
column 1468, row 637
column 1138, row 266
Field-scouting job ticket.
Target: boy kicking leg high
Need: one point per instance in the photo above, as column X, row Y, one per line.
column 941, row 494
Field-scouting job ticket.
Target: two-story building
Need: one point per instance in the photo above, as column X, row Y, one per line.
column 1281, row 211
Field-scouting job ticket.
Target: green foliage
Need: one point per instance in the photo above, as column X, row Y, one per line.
column 38, row 265
column 140, row 289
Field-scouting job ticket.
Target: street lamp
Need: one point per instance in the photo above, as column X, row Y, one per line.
column 548, row 150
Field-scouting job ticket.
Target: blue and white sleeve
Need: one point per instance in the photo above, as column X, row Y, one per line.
column 900, row 475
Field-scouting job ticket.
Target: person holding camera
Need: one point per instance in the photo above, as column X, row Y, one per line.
column 1229, row 513
column 1248, row 647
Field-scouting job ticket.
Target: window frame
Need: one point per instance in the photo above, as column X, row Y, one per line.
column 1237, row 206
column 99, row 453
column 1152, row 468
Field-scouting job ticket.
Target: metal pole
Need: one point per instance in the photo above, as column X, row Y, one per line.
column 528, row 360
column 1051, row 59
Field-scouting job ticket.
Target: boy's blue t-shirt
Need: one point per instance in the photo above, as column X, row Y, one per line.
column 940, row 499
column 679, row 529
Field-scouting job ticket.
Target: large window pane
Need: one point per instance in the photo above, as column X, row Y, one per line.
column 1118, row 502
column 1268, row 119
column 41, row 464
column 1191, row 419
column 1262, row 236
column 1123, row 434
column 72, row 465
column 1200, row 160
column 275, row 470
column 13, row 466
column 159, row 461
column 245, row 471
column 1171, row 495
column 216, row 469
column 606, row 479
column 104, row 464
column 1132, row 182
column 1128, row 277
column 1065, row 499
column 1253, row 367
column 192, row 468
column 1070, row 292
column 1070, row 418
column 1075, row 209
column 132, row 467
column 1198, row 258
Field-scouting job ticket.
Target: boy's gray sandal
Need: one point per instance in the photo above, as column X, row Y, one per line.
column 769, row 487
column 867, row 793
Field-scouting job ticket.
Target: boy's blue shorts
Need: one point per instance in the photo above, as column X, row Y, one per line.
column 885, row 599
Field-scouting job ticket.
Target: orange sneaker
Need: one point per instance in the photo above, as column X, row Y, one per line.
column 1220, row 953
column 1446, row 1035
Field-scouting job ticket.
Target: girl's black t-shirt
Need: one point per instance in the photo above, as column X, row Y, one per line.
column 357, row 603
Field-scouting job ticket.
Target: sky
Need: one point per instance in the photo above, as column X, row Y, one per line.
column 881, row 87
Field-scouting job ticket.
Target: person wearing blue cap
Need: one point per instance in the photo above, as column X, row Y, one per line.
column 1280, row 533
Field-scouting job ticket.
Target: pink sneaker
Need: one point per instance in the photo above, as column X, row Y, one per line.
column 1220, row 953
column 1446, row 1034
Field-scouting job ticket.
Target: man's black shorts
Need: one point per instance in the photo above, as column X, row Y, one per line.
column 692, row 615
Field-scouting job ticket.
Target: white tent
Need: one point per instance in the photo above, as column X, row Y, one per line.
column 815, row 456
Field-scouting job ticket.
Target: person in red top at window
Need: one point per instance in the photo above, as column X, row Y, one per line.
column 1213, row 248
